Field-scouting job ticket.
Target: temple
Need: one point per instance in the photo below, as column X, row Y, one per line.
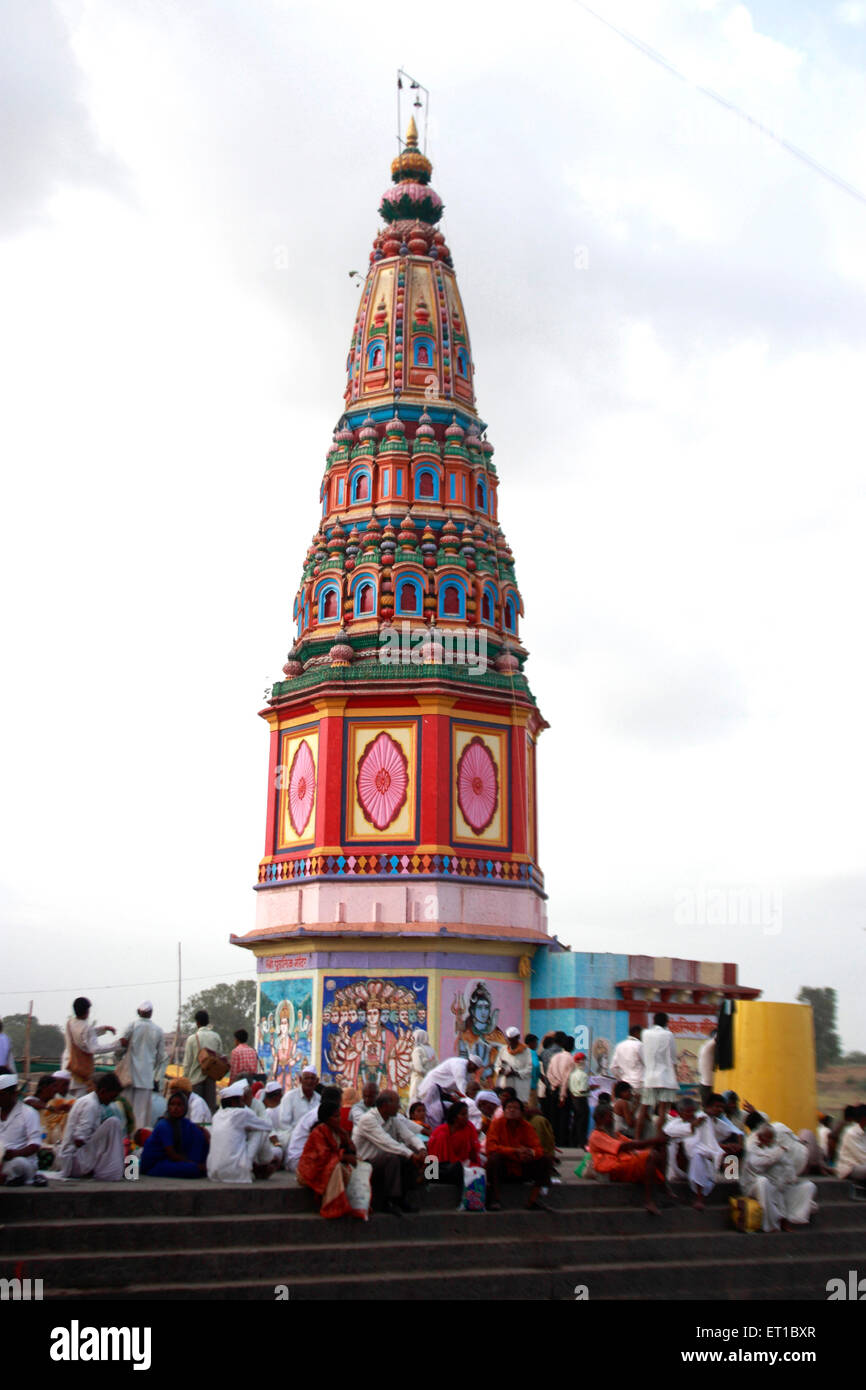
column 400, row 886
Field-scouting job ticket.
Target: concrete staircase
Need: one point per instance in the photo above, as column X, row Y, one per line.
column 157, row 1239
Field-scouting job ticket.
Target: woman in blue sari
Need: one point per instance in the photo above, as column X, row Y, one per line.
column 176, row 1148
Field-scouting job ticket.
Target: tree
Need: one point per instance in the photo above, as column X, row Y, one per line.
column 46, row 1039
column 828, row 1048
column 230, row 1007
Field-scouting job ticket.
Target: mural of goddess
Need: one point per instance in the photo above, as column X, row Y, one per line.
column 477, row 1029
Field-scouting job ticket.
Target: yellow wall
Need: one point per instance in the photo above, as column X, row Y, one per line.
column 774, row 1056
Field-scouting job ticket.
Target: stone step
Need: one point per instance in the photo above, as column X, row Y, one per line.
column 280, row 1195
column 546, row 1248
column 794, row 1277
column 263, row 1229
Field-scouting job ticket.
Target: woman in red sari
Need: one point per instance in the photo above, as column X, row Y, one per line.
column 332, row 1169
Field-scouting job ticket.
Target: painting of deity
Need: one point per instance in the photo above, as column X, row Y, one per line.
column 475, row 1014
column 283, row 1034
column 367, row 1030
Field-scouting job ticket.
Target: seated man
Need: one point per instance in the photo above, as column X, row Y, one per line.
column 514, row 1154
column 453, row 1144
column 383, row 1138
column 851, row 1153
column 236, row 1135
column 733, row 1112
column 300, row 1100
column 694, row 1151
column 768, row 1175
column 57, row 1109
column 627, row 1160
column 272, row 1150
column 93, row 1139
column 20, row 1137
column 728, row 1136
column 624, row 1110
column 369, row 1093
column 297, row 1140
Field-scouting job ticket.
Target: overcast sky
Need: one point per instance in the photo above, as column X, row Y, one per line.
column 667, row 318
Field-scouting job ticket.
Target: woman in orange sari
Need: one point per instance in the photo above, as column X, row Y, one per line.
column 332, row 1169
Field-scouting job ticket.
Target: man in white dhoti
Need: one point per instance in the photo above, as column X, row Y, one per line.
column 851, row 1153
column 82, row 1045
column 514, row 1065
column 144, row 1042
column 307, row 1123
column 301, row 1100
column 693, row 1150
column 20, row 1137
column 768, row 1175
column 235, row 1137
column 274, row 1145
column 448, row 1079
column 660, row 1084
column 92, row 1144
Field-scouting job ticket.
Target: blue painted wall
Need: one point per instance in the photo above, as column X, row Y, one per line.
column 584, row 974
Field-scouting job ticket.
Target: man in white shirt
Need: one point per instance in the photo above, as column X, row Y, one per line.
column 707, row 1067
column 384, row 1139
column 235, row 1137
column 626, row 1064
column 272, row 1150
column 851, row 1153
column 307, row 1123
column 514, row 1065
column 92, row 1144
column 449, row 1078
column 301, row 1100
column 660, row 1084
column 144, row 1041
column 82, row 1044
column 20, row 1137
column 693, row 1150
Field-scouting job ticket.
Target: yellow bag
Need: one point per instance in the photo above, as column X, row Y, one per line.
column 746, row 1213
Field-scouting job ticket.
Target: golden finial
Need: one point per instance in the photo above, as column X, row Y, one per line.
column 412, row 134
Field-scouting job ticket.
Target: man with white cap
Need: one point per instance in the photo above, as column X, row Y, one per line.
column 301, row 1100
column 144, row 1042
column 20, row 1137
column 235, row 1137
column 306, row 1124
column 514, row 1067
column 273, row 1146
column 447, row 1082
column 93, row 1139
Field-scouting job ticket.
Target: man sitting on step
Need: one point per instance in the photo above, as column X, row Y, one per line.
column 384, row 1139
column 514, row 1154
column 20, row 1137
column 769, row 1175
column 694, row 1151
column 851, row 1153
column 236, row 1134
column 93, row 1139
column 627, row 1160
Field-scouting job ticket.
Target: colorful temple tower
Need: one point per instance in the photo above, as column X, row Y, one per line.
column 400, row 885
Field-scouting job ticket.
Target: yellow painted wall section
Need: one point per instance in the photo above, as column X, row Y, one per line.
column 774, row 1062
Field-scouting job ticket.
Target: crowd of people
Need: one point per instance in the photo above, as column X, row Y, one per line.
column 357, row 1153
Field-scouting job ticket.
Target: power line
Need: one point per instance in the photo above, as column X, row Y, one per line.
column 662, row 62
column 93, row 989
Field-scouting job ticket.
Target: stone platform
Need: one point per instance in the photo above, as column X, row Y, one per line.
column 159, row 1239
